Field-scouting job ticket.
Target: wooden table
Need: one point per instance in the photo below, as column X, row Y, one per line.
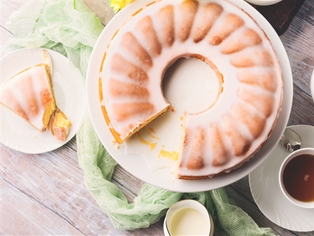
column 45, row 194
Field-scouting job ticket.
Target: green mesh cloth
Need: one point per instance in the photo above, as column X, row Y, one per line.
column 71, row 29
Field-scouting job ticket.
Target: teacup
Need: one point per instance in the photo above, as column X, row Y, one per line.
column 188, row 217
column 296, row 177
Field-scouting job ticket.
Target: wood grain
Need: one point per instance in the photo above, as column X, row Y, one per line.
column 45, row 194
column 281, row 14
column 28, row 216
column 101, row 9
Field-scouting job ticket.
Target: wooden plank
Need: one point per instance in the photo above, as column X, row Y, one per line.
column 301, row 58
column 101, row 9
column 4, row 37
column 54, row 181
column 7, row 7
column 306, row 11
column 22, row 214
column 281, row 14
column 302, row 109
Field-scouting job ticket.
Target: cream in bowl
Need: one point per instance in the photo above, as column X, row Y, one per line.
column 188, row 217
column 296, row 177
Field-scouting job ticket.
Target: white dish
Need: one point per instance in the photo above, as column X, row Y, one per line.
column 263, row 2
column 312, row 84
column 266, row 191
column 165, row 177
column 69, row 91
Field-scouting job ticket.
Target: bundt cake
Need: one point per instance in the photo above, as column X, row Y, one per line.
column 223, row 136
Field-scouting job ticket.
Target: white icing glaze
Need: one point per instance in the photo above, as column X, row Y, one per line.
column 23, row 88
column 223, row 62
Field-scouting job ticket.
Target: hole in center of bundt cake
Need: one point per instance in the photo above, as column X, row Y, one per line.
column 192, row 85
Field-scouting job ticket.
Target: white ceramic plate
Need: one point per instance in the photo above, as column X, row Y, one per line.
column 70, row 96
column 263, row 2
column 165, row 177
column 264, row 184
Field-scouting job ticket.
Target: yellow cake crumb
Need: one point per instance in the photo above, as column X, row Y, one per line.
column 174, row 155
column 152, row 145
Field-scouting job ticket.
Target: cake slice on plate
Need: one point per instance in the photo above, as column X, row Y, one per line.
column 29, row 94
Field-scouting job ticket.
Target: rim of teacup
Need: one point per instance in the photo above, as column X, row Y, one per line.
column 187, row 203
column 292, row 155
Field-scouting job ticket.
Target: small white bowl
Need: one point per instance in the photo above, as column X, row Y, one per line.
column 263, row 2
column 188, row 217
column 312, row 85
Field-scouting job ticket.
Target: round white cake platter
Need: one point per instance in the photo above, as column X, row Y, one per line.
column 145, row 163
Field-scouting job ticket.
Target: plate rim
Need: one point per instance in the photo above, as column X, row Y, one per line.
column 32, row 53
column 283, row 59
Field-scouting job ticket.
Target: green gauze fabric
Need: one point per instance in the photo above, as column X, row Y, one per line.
column 72, row 30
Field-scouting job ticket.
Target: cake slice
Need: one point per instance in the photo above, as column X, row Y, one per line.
column 29, row 94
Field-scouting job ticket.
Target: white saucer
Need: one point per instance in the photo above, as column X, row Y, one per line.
column 69, row 91
column 266, row 192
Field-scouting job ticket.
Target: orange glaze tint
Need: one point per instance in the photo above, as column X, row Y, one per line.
column 99, row 79
column 103, row 108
